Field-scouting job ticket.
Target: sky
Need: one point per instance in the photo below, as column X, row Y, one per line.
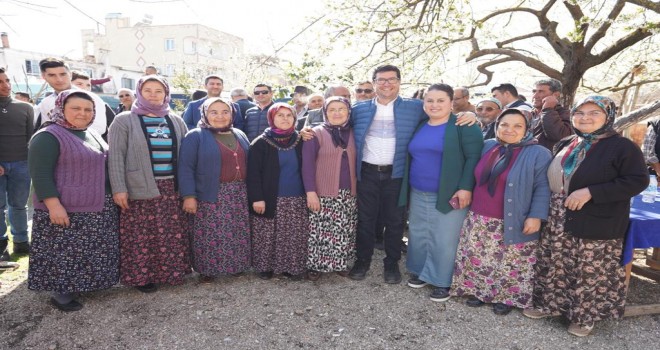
column 53, row 26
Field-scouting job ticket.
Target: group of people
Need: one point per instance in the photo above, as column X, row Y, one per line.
column 525, row 209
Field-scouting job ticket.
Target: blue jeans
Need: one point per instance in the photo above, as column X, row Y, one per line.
column 432, row 239
column 14, row 190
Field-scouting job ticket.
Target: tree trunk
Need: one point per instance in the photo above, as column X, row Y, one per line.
column 637, row 116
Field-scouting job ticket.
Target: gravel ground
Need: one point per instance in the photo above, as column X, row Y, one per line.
column 334, row 312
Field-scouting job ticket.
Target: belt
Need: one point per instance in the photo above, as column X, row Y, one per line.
column 378, row 168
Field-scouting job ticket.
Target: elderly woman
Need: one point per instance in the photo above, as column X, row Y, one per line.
column 143, row 163
column 493, row 264
column 212, row 174
column 440, row 173
column 75, row 234
column 277, row 197
column 592, row 177
column 330, row 183
column 126, row 98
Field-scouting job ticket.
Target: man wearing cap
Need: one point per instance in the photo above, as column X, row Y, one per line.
column 214, row 85
column 487, row 111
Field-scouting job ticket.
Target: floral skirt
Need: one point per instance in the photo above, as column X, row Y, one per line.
column 279, row 244
column 153, row 234
column 221, row 232
column 490, row 270
column 80, row 258
column 580, row 278
column 332, row 230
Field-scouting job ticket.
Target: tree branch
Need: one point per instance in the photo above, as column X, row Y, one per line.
column 531, row 62
column 522, row 37
column 648, row 4
column 600, row 32
column 489, row 75
column 636, row 116
column 620, row 45
column 639, row 83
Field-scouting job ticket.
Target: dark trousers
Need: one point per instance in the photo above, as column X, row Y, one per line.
column 378, row 191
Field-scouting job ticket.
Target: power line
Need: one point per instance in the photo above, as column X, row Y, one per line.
column 81, row 11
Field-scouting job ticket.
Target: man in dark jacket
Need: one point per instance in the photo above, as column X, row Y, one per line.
column 240, row 97
column 551, row 121
column 256, row 120
column 214, row 85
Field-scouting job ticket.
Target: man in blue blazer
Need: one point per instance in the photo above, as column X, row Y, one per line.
column 214, row 85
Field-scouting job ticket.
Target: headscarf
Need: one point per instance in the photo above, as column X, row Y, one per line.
column 204, row 120
column 336, row 130
column 577, row 154
column 142, row 107
column 497, row 165
column 57, row 116
column 283, row 138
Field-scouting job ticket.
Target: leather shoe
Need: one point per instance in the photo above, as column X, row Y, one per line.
column 501, row 309
column 359, row 271
column 266, row 275
column 474, row 302
column 147, row 288
column 70, row 306
column 313, row 275
column 21, row 248
column 392, row 275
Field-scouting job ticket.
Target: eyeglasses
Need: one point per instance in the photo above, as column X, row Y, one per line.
column 122, row 96
column 591, row 114
column 262, row 92
column 487, row 109
column 382, row 81
column 340, row 110
column 364, row 91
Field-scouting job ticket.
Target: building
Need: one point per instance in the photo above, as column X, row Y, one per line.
column 191, row 49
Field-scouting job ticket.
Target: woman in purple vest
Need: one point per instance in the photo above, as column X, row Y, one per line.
column 143, row 159
column 75, row 233
column 277, row 197
column 330, row 183
column 212, row 183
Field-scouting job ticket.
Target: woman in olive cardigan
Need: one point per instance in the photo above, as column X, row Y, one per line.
column 440, row 168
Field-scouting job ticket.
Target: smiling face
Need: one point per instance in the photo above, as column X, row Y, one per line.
column 589, row 118
column 437, row 105
column 315, row 102
column 83, row 84
column 262, row 95
column 284, row 119
column 540, row 92
column 487, row 111
column 219, row 115
column 364, row 91
column 78, row 111
column 387, row 86
column 153, row 92
column 512, row 128
column 337, row 113
column 214, row 87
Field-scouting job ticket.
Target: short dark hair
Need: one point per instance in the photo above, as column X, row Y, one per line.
column 197, row 94
column 2, row 70
column 386, row 68
column 264, row 85
column 52, row 62
column 213, row 76
column 506, row 87
column 76, row 74
column 442, row 87
column 553, row 84
column 20, row 93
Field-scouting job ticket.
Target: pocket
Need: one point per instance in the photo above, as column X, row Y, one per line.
column 135, row 181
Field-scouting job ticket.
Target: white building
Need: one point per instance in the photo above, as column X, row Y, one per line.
column 193, row 49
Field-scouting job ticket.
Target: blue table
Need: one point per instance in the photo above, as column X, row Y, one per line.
column 644, row 228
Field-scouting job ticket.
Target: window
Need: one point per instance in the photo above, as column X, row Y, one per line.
column 169, row 44
column 128, row 83
column 169, row 70
column 32, row 67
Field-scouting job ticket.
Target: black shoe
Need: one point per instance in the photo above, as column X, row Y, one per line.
column 71, row 306
column 21, row 248
column 379, row 244
column 501, row 309
column 392, row 275
column 474, row 302
column 404, row 247
column 147, row 288
column 8, row 265
column 359, row 271
column 415, row 282
column 293, row 277
column 266, row 275
column 4, row 254
column 440, row 294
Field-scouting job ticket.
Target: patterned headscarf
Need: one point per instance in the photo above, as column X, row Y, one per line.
column 336, row 130
column 499, row 164
column 204, row 121
column 281, row 137
column 586, row 140
column 57, row 116
column 142, row 107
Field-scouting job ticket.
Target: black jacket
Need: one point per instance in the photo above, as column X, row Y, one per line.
column 614, row 171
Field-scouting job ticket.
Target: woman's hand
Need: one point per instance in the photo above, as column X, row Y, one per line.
column 57, row 213
column 190, row 205
column 306, row 133
column 121, row 199
column 577, row 199
column 464, row 198
column 259, row 207
column 466, row 118
column 531, row 225
column 313, row 202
